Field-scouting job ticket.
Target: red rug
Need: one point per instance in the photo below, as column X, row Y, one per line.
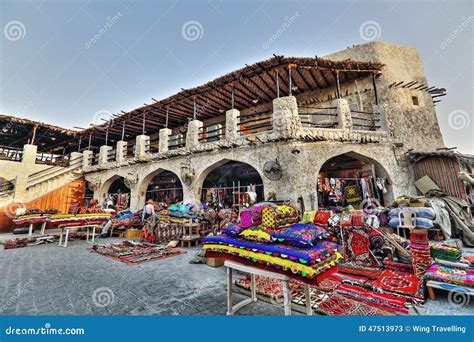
column 339, row 305
column 400, row 282
column 135, row 254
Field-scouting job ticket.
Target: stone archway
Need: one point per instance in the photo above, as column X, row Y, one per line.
column 227, row 175
column 161, row 177
column 351, row 164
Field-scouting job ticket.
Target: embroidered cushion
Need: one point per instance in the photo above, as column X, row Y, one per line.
column 322, row 216
column 428, row 213
column 246, row 219
column 299, row 235
column 308, row 216
column 255, row 234
column 358, row 218
column 279, row 216
column 346, row 219
column 420, row 222
column 334, row 220
column 231, row 229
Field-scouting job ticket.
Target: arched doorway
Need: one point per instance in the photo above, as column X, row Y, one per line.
column 118, row 194
column 352, row 179
column 165, row 187
column 232, row 184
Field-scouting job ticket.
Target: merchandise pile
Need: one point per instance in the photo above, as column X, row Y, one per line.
column 420, row 251
column 82, row 217
column 270, row 236
column 446, row 252
column 33, row 215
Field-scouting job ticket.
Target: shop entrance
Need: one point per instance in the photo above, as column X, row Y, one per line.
column 232, row 184
column 165, row 187
column 352, row 179
column 118, row 195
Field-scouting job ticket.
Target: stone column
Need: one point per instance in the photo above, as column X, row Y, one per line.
column 192, row 135
column 104, row 154
column 29, row 154
column 86, row 159
column 75, row 160
column 231, row 125
column 142, row 146
column 286, row 120
column 164, row 137
column 121, row 152
column 343, row 114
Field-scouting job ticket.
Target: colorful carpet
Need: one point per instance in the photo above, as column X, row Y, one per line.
column 399, row 282
column 134, row 253
column 339, row 305
column 456, row 276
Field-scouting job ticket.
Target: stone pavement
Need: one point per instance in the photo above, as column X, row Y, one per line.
column 50, row 280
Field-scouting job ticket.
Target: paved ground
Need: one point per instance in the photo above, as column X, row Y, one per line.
column 50, row 280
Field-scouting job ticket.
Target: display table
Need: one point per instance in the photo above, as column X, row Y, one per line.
column 232, row 265
column 191, row 235
column 65, row 229
column 463, row 291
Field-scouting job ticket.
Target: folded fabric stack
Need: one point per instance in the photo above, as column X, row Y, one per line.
column 420, row 251
column 424, row 217
column 33, row 218
column 79, row 219
column 446, row 252
column 279, row 242
column 446, row 274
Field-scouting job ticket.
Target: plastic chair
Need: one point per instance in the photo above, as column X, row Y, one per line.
column 407, row 220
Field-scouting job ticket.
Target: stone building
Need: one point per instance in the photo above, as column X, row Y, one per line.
column 277, row 124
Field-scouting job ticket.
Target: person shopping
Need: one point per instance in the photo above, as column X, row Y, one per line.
column 148, row 210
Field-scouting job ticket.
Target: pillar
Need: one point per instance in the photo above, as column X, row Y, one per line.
column 286, row 120
column 343, row 114
column 121, row 152
column 164, row 137
column 29, row 154
column 76, row 160
column 232, row 125
column 142, row 146
column 86, row 159
column 192, row 135
column 104, row 154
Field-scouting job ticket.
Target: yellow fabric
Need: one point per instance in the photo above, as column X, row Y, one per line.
column 258, row 235
column 281, row 215
column 311, row 271
column 308, row 216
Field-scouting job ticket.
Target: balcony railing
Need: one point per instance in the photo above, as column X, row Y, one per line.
column 176, row 141
column 255, row 122
column 11, row 153
column 212, row 133
column 318, row 117
column 365, row 121
column 52, row 159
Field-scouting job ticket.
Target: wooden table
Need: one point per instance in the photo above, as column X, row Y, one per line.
column 232, row 265
column 190, row 235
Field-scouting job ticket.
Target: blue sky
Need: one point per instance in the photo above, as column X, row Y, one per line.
column 52, row 68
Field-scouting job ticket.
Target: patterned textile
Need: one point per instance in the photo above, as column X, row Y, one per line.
column 346, row 219
column 354, row 270
column 309, row 216
column 444, row 172
column 420, row 222
column 376, row 238
column 255, row 234
column 358, row 218
column 257, row 214
column 334, row 220
column 310, row 256
column 133, row 253
column 352, row 194
column 397, row 266
column 279, row 216
column 394, row 304
column 339, row 305
column 400, row 282
column 420, row 251
column 446, row 252
column 33, row 218
column 246, row 219
column 322, row 216
column 357, row 246
column 232, row 229
column 457, row 276
column 300, row 235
